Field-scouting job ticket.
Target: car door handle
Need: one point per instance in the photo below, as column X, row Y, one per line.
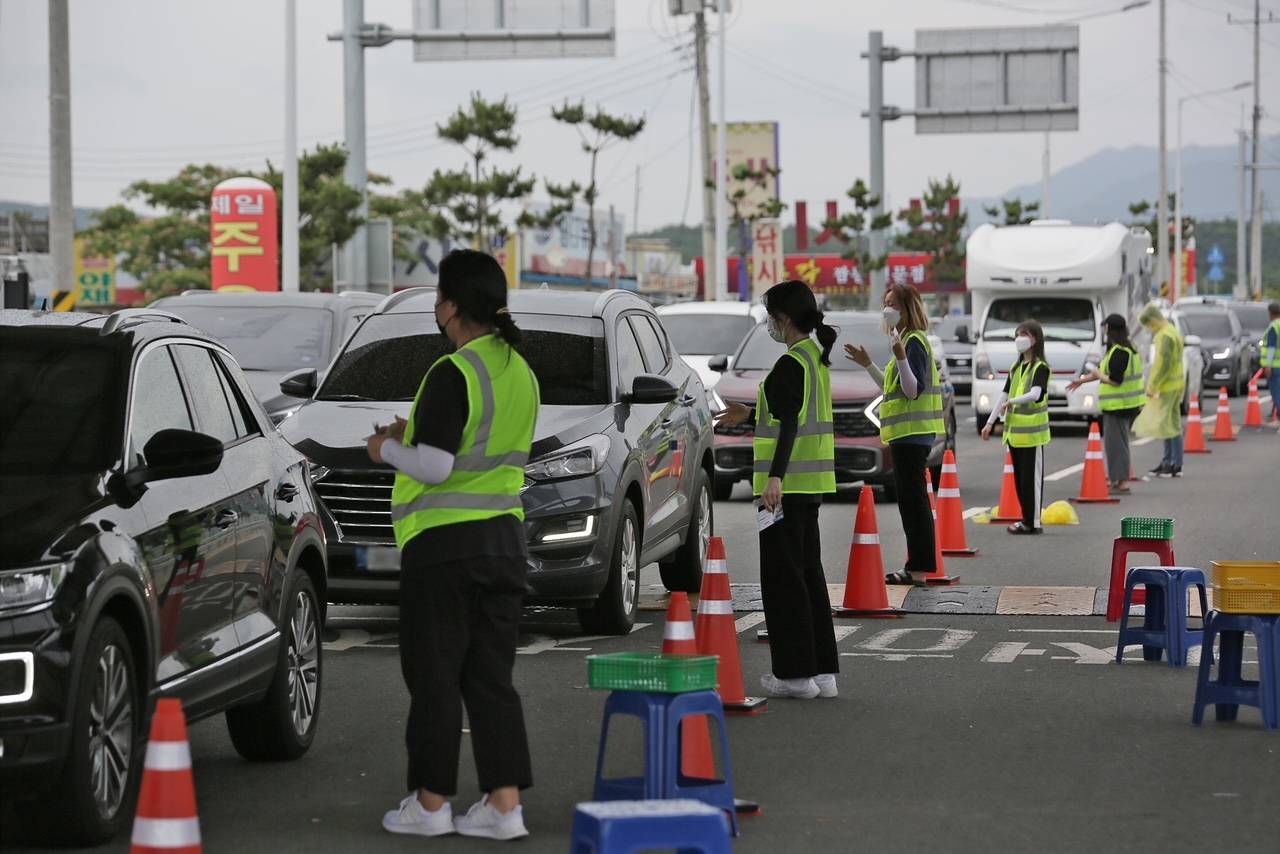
column 226, row 518
column 688, row 400
column 668, row 422
column 286, row 492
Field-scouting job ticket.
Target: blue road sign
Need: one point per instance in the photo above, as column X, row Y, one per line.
column 1215, row 256
column 1215, row 273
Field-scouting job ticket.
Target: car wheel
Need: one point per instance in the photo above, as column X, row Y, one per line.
column 683, row 570
column 614, row 611
column 93, row 799
column 722, row 489
column 282, row 724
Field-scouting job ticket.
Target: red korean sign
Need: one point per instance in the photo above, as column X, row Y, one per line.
column 244, row 242
column 833, row 275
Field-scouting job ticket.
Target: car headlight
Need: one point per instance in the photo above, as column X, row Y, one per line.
column 22, row 588
column 581, row 458
column 715, row 401
column 1223, row 355
column 982, row 367
column 572, row 528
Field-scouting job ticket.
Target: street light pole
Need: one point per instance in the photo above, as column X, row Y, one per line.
column 722, row 214
column 1162, row 203
column 289, row 226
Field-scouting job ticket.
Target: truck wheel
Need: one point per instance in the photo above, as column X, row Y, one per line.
column 282, row 724
column 683, row 570
column 614, row 611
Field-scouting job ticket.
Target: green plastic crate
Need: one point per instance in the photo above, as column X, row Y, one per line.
column 651, row 671
column 1146, row 528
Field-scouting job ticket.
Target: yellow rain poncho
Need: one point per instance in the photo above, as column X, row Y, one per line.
column 1162, row 416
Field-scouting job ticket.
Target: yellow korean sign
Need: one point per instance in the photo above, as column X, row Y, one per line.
column 95, row 278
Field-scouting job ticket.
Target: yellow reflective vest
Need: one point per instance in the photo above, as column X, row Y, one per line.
column 812, row 467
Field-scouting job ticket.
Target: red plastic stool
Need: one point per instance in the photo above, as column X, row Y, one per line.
column 1120, row 551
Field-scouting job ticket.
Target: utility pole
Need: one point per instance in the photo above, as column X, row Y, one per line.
column 357, row 172
column 722, row 157
column 1242, row 278
column 1162, row 201
column 1255, row 225
column 877, row 114
column 62, row 214
column 1046, row 177
column 711, row 276
column 289, row 226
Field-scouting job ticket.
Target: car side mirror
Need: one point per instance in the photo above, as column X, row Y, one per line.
column 648, row 388
column 719, row 364
column 177, row 453
column 962, row 334
column 300, row 383
column 1192, row 340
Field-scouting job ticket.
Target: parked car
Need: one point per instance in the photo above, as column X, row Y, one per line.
column 1226, row 348
column 702, row 331
column 860, row 455
column 620, row 471
column 274, row 334
column 953, row 330
column 1254, row 319
column 157, row 539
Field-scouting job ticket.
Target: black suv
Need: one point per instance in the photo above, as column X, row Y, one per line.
column 157, row 539
column 274, row 334
column 620, row 471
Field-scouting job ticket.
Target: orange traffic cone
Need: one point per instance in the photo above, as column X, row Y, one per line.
column 1222, row 429
column 864, row 588
column 717, row 633
column 1093, row 486
column 678, row 638
column 939, row 575
column 1253, row 410
column 166, row 818
column 951, row 511
column 1010, row 509
column 1194, row 443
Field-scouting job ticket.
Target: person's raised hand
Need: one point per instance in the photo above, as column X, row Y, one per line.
column 733, row 415
column 857, row 354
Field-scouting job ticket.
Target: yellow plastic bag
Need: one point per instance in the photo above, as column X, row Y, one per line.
column 1059, row 513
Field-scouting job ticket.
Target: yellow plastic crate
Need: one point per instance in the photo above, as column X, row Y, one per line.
column 1246, row 586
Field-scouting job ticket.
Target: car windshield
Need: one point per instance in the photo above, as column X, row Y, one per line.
column 1063, row 318
column 945, row 327
column 706, row 334
column 264, row 338
column 62, row 402
column 390, row 354
column 760, row 352
column 1209, row 324
column 1253, row 319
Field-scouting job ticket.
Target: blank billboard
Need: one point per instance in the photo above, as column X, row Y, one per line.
column 512, row 29
column 997, row 79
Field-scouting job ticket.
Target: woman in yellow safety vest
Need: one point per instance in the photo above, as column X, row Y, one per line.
column 1024, row 404
column 1166, row 385
column 457, row 515
column 1120, row 398
column 794, row 466
column 910, row 420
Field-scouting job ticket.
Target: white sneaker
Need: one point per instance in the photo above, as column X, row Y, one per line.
column 484, row 820
column 798, row 689
column 412, row 818
column 826, row 683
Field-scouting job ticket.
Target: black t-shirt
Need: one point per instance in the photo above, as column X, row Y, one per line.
column 1039, row 378
column 1118, row 365
column 442, row 411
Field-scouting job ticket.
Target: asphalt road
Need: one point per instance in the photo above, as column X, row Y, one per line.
column 952, row 733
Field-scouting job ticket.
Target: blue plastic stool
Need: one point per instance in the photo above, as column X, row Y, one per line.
column 621, row 827
column 1182, row 579
column 661, row 715
column 1155, row 635
column 1230, row 691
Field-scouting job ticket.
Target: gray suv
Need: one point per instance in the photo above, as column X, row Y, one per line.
column 620, row 471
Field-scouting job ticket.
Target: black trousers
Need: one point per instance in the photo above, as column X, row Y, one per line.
column 1028, row 477
column 913, row 505
column 459, row 627
column 797, row 609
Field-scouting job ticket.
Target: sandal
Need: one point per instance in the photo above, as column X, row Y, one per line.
column 900, row 577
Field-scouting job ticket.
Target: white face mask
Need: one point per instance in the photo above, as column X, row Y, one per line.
column 889, row 319
column 774, row 330
column 1022, row 343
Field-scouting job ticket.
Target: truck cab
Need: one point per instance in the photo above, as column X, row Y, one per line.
column 1066, row 276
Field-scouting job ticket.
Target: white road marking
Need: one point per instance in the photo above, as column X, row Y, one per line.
column 1072, row 631
column 1065, row 473
column 974, row 511
column 1006, row 652
column 843, row 632
column 1085, row 654
column 743, row 623
column 881, row 644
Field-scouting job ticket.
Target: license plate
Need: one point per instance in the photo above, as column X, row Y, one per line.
column 378, row 559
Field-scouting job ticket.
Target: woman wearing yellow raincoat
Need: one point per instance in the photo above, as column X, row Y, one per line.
column 1162, row 416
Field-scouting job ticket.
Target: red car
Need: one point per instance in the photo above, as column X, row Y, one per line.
column 860, row 455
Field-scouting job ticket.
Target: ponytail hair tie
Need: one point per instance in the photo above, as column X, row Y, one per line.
column 503, row 310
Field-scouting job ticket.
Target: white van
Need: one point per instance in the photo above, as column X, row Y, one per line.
column 1068, row 277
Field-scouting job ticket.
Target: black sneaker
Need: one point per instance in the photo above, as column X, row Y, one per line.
column 1176, row 472
column 1160, row 470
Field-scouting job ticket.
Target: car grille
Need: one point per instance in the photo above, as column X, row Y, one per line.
column 359, row 502
column 734, row 458
column 858, row 460
column 849, row 423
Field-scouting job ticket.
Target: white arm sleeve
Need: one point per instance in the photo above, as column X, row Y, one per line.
column 873, row 370
column 910, row 387
column 423, row 463
column 1031, row 395
column 994, row 417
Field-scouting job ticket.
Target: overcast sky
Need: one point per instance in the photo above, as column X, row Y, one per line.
column 158, row 83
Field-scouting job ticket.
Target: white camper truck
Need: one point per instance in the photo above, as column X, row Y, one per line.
column 1068, row 277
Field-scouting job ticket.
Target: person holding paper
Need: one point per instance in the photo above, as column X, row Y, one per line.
column 910, row 418
column 794, row 451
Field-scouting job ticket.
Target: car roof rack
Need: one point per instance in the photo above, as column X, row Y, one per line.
column 119, row 318
column 399, row 297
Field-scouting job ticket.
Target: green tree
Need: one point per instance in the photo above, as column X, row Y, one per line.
column 855, row 229
column 936, row 227
column 1013, row 211
column 597, row 132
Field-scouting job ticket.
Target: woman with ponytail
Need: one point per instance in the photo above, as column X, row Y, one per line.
column 794, row 450
column 910, row 418
column 457, row 515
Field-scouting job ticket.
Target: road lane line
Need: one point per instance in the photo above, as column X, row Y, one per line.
column 1072, row 631
column 743, row 623
column 1065, row 473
